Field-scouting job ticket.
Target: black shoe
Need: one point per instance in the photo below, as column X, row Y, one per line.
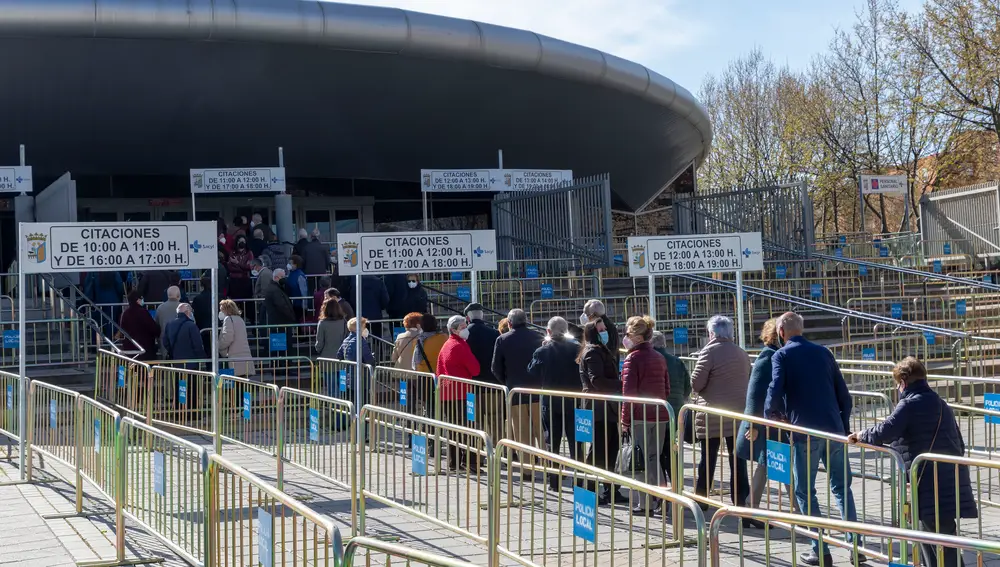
column 619, row 498
column 703, row 506
column 862, row 558
column 751, row 523
column 812, row 559
column 640, row 511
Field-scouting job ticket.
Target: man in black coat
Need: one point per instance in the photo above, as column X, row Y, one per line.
column 482, row 339
column 511, row 356
column 201, row 305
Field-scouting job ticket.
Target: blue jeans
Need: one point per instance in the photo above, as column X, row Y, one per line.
column 805, row 468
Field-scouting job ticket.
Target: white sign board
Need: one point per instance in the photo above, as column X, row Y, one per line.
column 876, row 184
column 15, row 179
column 496, row 180
column 121, row 246
column 238, row 180
column 377, row 253
column 693, row 254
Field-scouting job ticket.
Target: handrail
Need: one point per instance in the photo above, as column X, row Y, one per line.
column 47, row 279
column 485, row 308
column 910, row 271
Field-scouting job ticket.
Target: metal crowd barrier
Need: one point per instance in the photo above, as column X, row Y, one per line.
column 181, row 399
column 533, row 523
column 254, row 523
column 904, row 541
column 52, row 342
column 335, row 378
column 591, row 424
column 868, row 409
column 980, row 431
column 371, row 548
column 124, row 383
column 10, row 390
column 402, row 390
column 292, row 371
column 882, row 465
column 96, row 457
column 985, row 490
column 249, row 414
column 402, row 467
column 316, row 433
column 53, row 428
column 164, row 488
column 473, row 404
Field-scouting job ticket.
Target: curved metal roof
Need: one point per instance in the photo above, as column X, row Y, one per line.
column 351, row 91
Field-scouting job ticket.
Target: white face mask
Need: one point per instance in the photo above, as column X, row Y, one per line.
column 412, row 285
column 141, row 302
column 222, row 239
column 255, row 273
column 288, row 267
column 222, row 316
column 364, row 334
column 584, row 319
column 627, row 343
column 464, row 334
column 413, row 329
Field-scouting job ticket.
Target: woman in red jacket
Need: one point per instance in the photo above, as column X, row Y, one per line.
column 644, row 375
column 140, row 326
column 456, row 359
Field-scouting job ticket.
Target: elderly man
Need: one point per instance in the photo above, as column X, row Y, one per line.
column 592, row 311
column 277, row 304
column 720, row 378
column 808, row 390
column 166, row 312
column 257, row 222
column 555, row 365
column 512, row 353
column 181, row 338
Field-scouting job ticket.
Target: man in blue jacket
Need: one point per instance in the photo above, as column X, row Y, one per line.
column 808, row 390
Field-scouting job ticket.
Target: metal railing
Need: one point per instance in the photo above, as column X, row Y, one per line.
column 10, row 403
column 181, row 399
column 405, row 390
column 984, row 490
column 473, row 404
column 124, row 383
column 248, row 414
column 370, row 548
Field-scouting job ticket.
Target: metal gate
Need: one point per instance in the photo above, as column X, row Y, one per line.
column 967, row 219
column 568, row 223
column 782, row 213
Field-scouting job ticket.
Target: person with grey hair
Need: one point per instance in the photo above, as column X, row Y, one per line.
column 166, row 312
column 277, row 305
column 456, row 360
column 512, row 354
column 720, row 379
column 594, row 310
column 554, row 364
column 808, row 390
column 181, row 338
column 680, row 388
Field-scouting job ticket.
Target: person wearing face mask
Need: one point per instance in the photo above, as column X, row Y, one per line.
column 137, row 324
column 415, row 296
column 402, row 350
column 263, row 276
column 593, row 310
column 257, row 243
column 182, row 340
column 599, row 375
column 680, row 391
column 349, row 351
column 233, row 342
column 203, row 310
column 239, row 266
column 277, row 305
column 297, row 287
column 456, row 359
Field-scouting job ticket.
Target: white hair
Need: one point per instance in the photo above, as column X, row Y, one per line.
column 659, row 340
column 791, row 323
column 278, row 274
column 594, row 308
column 257, row 218
column 517, row 317
column 558, row 327
column 720, row 326
column 173, row 292
column 303, row 233
column 454, row 322
column 475, row 315
column 184, row 308
column 258, row 233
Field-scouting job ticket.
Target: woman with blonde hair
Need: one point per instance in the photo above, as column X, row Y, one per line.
column 233, row 342
column 402, row 351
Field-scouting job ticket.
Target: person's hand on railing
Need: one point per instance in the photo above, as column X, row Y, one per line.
column 852, row 439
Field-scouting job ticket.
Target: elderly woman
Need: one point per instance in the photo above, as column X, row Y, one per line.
column 233, row 341
column 599, row 375
column 402, row 350
column 594, row 310
column 923, row 423
column 456, row 359
column 720, row 380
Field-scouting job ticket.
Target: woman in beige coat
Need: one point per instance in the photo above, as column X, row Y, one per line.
column 720, row 380
column 402, row 350
column 233, row 341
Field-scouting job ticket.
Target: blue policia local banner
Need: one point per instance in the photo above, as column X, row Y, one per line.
column 779, row 462
column 584, row 425
column 585, row 514
column 419, row 455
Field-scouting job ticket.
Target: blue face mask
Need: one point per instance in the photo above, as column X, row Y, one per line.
column 604, row 336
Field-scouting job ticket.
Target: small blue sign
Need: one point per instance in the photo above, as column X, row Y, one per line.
column 680, row 335
column 247, row 400
column 883, row 251
column 988, row 278
column 960, row 307
column 619, row 260
column 584, row 514
column 419, row 443
column 896, row 310
column 842, row 239
column 265, row 538
column 991, row 402
column 186, row 275
column 11, row 339
column 929, row 336
column 781, row 272
column 121, row 376
column 278, row 341
column 816, row 290
column 10, row 396
column 456, row 276
column 584, row 420
column 547, row 292
column 343, row 380
column 402, row 393
column 937, row 266
column 531, row 270
column 682, row 307
column 313, row 424
column 159, row 482
column 470, row 407
column 868, row 354
column 182, row 392
column 97, row 436
column 838, row 252
column 53, row 412
column 396, row 331
column 464, row 293
column 947, row 247
column 862, row 270
column 779, row 462
column 227, row 372
column 876, row 241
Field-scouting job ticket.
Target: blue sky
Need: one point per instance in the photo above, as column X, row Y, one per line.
column 682, row 39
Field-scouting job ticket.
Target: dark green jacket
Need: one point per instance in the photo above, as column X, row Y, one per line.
column 680, row 381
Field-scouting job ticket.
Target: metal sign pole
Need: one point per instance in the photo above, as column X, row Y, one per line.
column 216, row 379
column 359, row 354
column 739, row 309
column 652, row 297
column 861, row 193
column 22, row 405
column 473, row 289
column 423, row 195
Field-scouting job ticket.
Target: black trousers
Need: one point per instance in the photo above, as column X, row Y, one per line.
column 603, row 452
column 739, row 483
column 929, row 553
column 558, row 422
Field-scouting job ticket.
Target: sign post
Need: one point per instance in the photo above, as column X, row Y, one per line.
column 652, row 256
column 46, row 248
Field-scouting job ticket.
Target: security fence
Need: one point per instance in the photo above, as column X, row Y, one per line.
column 473, row 404
column 404, row 390
column 124, row 383
column 946, row 513
column 182, row 399
column 370, row 550
column 248, row 414
column 10, row 389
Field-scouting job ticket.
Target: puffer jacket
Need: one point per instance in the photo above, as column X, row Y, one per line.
column 720, row 379
column 644, row 375
column 456, row 359
column 912, row 429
